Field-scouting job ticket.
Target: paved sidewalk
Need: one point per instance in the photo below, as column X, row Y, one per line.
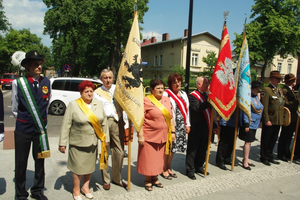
column 262, row 182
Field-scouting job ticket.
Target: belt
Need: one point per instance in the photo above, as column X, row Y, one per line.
column 112, row 118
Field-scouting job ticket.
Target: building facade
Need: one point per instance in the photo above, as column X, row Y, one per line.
column 160, row 57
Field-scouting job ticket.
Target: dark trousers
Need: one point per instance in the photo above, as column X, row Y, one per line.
column 268, row 140
column 297, row 147
column 196, row 151
column 284, row 141
column 225, row 146
column 22, row 148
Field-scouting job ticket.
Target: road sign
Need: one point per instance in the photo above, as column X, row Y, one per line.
column 66, row 67
column 144, row 63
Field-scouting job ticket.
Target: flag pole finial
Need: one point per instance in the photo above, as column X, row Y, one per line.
column 245, row 25
column 226, row 14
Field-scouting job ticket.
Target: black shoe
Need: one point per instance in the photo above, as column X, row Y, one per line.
column 248, row 168
column 265, row 162
column 283, row 159
column 201, row 170
column 222, row 166
column 274, row 162
column 191, row 176
column 39, row 196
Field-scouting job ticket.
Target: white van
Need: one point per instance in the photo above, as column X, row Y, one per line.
column 64, row 90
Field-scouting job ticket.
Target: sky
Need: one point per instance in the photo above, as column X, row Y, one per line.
column 163, row 16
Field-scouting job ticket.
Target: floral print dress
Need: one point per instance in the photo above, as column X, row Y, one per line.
column 179, row 145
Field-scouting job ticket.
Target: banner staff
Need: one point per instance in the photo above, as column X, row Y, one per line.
column 129, row 88
column 224, row 103
column 238, row 103
column 209, row 140
column 129, row 156
column 296, row 131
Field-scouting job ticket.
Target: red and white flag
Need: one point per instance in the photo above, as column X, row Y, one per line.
column 222, row 90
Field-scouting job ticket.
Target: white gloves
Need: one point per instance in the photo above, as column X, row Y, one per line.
column 1, row 137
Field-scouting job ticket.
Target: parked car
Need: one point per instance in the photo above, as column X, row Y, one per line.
column 7, row 79
column 64, row 90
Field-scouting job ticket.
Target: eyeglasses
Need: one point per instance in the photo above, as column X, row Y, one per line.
column 175, row 83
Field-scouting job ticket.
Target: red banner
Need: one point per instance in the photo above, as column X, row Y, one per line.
column 222, row 90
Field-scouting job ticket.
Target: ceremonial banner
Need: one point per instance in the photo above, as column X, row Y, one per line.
column 222, row 90
column 129, row 88
column 243, row 83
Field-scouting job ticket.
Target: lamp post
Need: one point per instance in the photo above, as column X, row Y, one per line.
column 188, row 51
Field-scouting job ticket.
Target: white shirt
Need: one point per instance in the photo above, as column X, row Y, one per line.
column 108, row 106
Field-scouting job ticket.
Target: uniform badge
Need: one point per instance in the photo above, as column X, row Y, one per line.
column 45, row 90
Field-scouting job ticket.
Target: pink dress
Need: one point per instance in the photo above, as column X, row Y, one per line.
column 151, row 155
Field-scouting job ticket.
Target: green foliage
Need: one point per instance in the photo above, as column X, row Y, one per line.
column 20, row 40
column 275, row 29
column 146, row 82
column 4, row 24
column 90, row 34
column 253, row 75
column 211, row 61
column 178, row 69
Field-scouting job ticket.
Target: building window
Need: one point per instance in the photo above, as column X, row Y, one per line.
column 289, row 68
column 279, row 67
column 160, row 60
column 194, row 59
column 155, row 60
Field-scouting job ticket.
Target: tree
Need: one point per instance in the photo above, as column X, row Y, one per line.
column 93, row 31
column 4, row 24
column 178, row 69
column 274, row 30
column 253, row 75
column 211, row 61
column 20, row 40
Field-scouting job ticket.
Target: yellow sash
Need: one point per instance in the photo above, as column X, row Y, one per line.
column 103, row 93
column 167, row 116
column 97, row 127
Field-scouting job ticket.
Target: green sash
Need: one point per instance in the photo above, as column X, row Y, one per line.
column 167, row 117
column 36, row 116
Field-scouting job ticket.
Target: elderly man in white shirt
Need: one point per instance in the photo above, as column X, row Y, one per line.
column 116, row 128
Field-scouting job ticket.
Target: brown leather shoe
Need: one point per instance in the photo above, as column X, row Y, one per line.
column 122, row 184
column 106, row 186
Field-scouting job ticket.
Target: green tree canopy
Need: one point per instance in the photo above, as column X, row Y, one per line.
column 211, row 61
column 90, row 34
column 275, row 29
column 4, row 24
column 20, row 40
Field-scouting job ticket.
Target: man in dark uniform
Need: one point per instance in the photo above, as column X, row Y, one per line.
column 273, row 101
column 198, row 136
column 1, row 114
column 37, row 89
column 291, row 102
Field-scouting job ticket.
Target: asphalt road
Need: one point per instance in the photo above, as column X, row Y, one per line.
column 54, row 122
